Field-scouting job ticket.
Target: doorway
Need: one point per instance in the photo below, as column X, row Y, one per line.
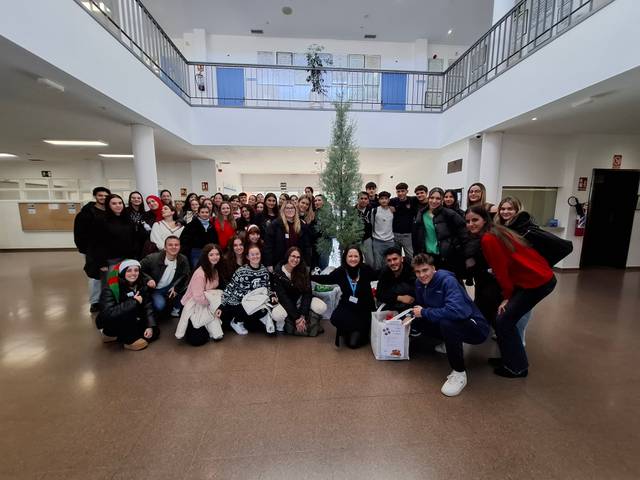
column 612, row 205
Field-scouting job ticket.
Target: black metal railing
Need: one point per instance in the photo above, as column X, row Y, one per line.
column 522, row 31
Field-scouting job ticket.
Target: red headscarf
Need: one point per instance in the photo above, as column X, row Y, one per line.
column 158, row 211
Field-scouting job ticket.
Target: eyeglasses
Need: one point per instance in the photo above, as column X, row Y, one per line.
column 295, row 257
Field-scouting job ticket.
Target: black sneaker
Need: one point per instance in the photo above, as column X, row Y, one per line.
column 95, row 307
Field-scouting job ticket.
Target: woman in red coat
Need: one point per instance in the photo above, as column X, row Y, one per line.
column 225, row 224
column 525, row 278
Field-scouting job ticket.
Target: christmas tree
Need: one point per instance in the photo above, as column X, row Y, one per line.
column 341, row 182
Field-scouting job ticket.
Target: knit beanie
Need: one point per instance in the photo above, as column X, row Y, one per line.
column 113, row 278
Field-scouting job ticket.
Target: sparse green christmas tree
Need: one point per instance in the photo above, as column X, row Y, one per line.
column 341, row 182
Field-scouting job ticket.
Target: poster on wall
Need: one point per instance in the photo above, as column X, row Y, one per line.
column 582, row 184
column 205, row 186
column 617, row 162
column 183, row 192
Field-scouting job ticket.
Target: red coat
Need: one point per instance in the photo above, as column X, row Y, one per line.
column 224, row 234
column 524, row 267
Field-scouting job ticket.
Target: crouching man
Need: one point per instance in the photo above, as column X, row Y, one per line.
column 166, row 273
column 445, row 311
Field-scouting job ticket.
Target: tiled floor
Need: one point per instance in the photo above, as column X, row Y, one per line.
column 295, row 408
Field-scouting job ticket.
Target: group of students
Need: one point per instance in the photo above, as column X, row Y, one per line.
column 252, row 257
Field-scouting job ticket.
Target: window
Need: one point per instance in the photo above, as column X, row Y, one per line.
column 540, row 202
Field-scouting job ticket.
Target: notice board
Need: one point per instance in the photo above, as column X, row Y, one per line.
column 48, row 217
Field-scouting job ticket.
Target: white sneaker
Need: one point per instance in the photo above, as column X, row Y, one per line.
column 238, row 327
column 175, row 312
column 441, row 348
column 456, row 381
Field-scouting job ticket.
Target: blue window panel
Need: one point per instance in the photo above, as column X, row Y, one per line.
column 230, row 82
column 394, row 91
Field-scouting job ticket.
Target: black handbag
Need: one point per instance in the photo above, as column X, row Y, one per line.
column 550, row 246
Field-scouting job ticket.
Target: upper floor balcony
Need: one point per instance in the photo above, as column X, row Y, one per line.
column 522, row 31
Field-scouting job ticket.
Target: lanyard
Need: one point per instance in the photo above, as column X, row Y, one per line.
column 353, row 283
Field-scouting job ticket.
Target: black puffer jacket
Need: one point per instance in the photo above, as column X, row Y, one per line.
column 125, row 308
column 451, row 232
column 275, row 243
column 288, row 295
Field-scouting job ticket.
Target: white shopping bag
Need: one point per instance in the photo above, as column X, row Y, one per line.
column 390, row 338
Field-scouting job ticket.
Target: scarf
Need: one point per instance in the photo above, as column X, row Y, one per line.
column 158, row 211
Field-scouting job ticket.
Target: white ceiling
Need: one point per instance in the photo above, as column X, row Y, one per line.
column 32, row 112
column 614, row 108
column 390, row 20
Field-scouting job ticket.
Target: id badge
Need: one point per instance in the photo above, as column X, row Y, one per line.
column 286, row 235
column 353, row 299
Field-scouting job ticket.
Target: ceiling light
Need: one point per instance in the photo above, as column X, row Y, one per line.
column 534, row 119
column 287, row 10
column 77, row 143
column 584, row 101
column 369, row 35
column 50, row 84
column 257, row 31
column 450, row 32
column 7, row 155
column 115, row 155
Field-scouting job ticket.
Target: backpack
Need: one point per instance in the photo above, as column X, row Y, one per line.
column 551, row 247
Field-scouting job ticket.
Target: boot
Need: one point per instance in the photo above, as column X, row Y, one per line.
column 339, row 339
column 354, row 340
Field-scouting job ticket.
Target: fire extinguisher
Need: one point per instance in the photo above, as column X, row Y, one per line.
column 581, row 215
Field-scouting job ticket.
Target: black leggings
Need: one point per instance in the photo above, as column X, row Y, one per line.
column 128, row 330
column 196, row 336
column 251, row 322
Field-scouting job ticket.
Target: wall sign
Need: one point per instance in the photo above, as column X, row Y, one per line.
column 45, row 173
column 617, row 162
column 283, row 186
column 582, row 184
column 183, row 192
column 205, row 186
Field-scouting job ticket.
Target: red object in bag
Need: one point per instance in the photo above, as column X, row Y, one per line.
column 389, row 316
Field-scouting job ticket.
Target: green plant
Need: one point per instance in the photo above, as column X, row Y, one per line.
column 341, row 182
column 315, row 70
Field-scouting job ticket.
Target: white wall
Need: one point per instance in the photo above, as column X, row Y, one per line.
column 585, row 55
column 244, row 49
column 558, row 161
column 271, row 183
column 446, row 52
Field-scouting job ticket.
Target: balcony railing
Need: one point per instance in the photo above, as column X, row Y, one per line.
column 523, row 30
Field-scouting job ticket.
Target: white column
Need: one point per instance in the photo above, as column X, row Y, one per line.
column 500, row 9
column 203, row 171
column 474, row 155
column 490, row 158
column 144, row 159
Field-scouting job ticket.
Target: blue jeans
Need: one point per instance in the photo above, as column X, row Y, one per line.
column 159, row 299
column 195, row 256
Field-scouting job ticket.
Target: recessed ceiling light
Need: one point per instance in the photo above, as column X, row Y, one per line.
column 50, row 84
column 7, row 155
column 257, row 31
column 534, row 119
column 450, row 32
column 115, row 155
column 584, row 101
column 369, row 35
column 77, row 143
column 287, row 10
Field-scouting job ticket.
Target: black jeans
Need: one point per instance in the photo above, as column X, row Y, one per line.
column 454, row 333
column 514, row 355
column 251, row 322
